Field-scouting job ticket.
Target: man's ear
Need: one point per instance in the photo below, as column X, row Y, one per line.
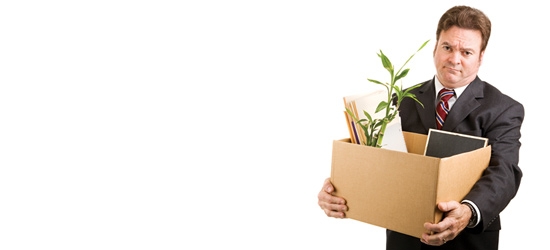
column 481, row 57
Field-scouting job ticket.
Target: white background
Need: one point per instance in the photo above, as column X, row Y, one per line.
column 209, row 124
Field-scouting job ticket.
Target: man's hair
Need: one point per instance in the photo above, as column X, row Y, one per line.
column 466, row 18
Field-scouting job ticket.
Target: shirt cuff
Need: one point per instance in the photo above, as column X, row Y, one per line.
column 476, row 210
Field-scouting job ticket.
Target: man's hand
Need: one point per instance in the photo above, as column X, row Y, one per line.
column 456, row 217
column 332, row 205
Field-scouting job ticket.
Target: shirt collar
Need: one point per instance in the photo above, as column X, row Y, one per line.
column 439, row 86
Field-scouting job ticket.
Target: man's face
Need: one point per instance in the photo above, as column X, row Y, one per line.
column 457, row 56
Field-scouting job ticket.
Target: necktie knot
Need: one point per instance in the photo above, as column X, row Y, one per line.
column 446, row 94
column 442, row 108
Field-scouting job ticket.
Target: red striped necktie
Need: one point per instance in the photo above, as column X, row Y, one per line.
column 442, row 108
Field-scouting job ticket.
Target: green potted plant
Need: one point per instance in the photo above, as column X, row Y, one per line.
column 374, row 128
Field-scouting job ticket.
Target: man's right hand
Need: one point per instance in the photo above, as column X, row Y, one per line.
column 333, row 206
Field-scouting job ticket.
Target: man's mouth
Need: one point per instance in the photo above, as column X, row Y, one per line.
column 453, row 70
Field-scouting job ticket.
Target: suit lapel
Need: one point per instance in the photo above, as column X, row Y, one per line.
column 464, row 105
column 426, row 95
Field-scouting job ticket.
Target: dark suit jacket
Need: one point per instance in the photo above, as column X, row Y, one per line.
column 481, row 110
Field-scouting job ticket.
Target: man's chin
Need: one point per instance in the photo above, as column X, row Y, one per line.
column 449, row 80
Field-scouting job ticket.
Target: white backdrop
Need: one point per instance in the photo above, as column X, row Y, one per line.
column 208, row 124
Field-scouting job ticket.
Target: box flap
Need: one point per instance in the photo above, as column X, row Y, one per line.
column 416, row 143
column 459, row 173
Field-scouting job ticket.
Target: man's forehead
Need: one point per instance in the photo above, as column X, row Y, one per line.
column 461, row 38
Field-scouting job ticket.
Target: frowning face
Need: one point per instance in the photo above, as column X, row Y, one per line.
column 457, row 56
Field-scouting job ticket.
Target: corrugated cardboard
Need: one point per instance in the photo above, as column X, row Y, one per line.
column 399, row 190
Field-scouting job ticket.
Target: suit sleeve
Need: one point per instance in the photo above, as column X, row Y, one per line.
column 501, row 180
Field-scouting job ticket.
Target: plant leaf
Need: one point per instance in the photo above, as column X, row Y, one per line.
column 413, row 87
column 386, row 62
column 381, row 106
column 402, row 74
column 398, row 95
column 397, row 89
column 367, row 115
column 377, row 82
column 419, row 102
column 422, row 46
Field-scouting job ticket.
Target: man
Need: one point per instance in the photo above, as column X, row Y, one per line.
column 475, row 108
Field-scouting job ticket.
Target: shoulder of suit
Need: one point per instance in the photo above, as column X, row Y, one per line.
column 489, row 91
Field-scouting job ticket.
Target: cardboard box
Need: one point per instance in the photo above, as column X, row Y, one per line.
column 399, row 190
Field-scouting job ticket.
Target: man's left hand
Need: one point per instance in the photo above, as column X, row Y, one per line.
column 456, row 217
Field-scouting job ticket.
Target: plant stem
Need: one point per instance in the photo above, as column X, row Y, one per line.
column 381, row 132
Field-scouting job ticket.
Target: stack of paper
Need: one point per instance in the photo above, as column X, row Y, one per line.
column 393, row 137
